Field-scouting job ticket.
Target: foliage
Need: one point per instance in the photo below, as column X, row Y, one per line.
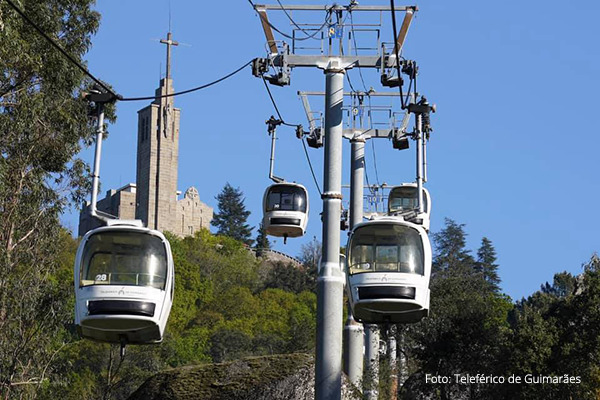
column 222, row 311
column 289, row 277
column 474, row 329
column 231, row 218
column 43, row 125
column 225, row 310
column 467, row 330
column 451, row 256
column 486, row 264
column 556, row 332
column 262, row 240
column 310, row 254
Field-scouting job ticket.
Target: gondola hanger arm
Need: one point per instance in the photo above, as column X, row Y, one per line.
column 272, row 124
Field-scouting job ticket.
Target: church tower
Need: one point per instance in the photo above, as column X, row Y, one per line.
column 157, row 156
column 153, row 198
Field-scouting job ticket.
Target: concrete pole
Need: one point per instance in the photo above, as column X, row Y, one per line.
column 371, row 378
column 354, row 331
column 330, row 286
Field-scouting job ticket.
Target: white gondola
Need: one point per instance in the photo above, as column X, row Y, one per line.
column 388, row 270
column 403, row 201
column 124, row 280
column 285, row 207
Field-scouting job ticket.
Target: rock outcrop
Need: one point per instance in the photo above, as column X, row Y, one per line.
column 278, row 377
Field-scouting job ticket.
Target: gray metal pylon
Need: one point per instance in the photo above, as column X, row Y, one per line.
column 328, row 368
column 371, row 375
column 353, row 331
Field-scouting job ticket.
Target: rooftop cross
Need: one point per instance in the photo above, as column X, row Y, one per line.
column 169, row 42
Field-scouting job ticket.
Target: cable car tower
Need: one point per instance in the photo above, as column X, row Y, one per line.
column 392, row 231
column 124, row 272
column 282, row 58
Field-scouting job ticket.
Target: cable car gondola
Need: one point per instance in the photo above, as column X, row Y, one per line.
column 403, row 201
column 285, row 207
column 124, row 280
column 387, row 271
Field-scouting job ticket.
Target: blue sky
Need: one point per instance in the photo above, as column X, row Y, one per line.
column 514, row 151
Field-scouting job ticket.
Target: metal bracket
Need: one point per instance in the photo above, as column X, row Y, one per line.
column 332, row 195
column 398, row 134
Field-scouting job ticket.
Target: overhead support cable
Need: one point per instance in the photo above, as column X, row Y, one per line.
column 375, row 163
column 60, row 49
column 308, row 35
column 275, row 104
column 189, row 90
column 296, row 126
column 115, row 96
column 312, row 171
column 265, row 20
column 396, row 52
column 368, row 93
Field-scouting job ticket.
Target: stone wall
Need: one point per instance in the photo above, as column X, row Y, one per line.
column 192, row 214
column 119, row 203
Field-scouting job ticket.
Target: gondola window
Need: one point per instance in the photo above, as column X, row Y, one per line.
column 119, row 258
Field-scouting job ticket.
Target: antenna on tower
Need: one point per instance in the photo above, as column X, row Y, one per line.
column 169, row 15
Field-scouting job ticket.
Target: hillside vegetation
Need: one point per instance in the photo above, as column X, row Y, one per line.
column 230, row 305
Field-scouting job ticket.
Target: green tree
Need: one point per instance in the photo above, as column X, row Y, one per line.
column 580, row 353
column 310, row 255
column 556, row 333
column 467, row 330
column 563, row 285
column 290, row 277
column 451, row 255
column 232, row 216
column 43, row 124
column 262, row 240
column 486, row 264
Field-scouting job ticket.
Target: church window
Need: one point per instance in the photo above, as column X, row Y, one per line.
column 141, row 125
column 144, row 128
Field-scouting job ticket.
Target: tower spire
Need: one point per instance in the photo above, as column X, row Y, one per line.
column 169, row 42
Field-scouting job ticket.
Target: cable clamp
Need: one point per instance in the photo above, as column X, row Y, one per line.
column 332, row 195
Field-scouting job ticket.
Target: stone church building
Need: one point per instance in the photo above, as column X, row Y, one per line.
column 154, row 197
